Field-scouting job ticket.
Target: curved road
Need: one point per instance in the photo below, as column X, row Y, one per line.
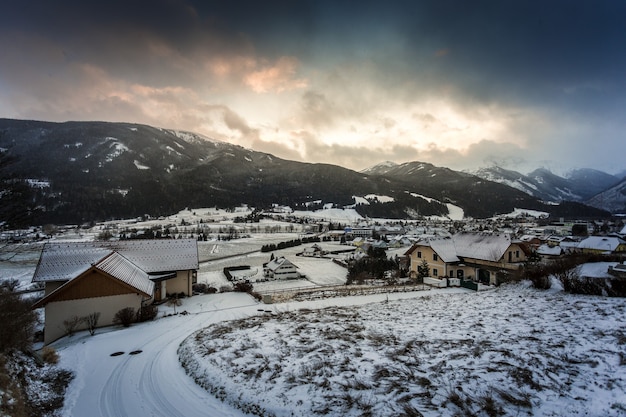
column 151, row 382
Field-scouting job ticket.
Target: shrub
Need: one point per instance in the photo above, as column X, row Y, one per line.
column 91, row 320
column 200, row 288
column 10, row 284
column 147, row 313
column 17, row 321
column 49, row 355
column 243, row 286
column 174, row 301
column 125, row 316
column 71, row 324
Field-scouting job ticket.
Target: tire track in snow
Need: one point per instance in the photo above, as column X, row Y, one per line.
column 110, row 403
column 145, row 384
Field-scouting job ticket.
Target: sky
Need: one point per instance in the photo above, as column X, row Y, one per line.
column 461, row 84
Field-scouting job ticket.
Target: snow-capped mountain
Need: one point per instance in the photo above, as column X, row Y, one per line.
column 577, row 185
column 77, row 172
column 613, row 199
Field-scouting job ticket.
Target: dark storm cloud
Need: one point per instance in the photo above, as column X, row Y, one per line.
column 553, row 50
column 552, row 72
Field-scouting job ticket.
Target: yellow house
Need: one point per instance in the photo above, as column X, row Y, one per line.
column 82, row 278
column 602, row 245
column 468, row 256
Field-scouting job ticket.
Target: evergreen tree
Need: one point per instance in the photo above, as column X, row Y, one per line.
column 423, row 270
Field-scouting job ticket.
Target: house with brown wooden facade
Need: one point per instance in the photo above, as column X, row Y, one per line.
column 479, row 257
column 82, row 278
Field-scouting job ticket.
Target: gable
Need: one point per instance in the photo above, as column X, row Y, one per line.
column 91, row 284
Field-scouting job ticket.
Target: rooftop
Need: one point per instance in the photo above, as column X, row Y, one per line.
column 62, row 261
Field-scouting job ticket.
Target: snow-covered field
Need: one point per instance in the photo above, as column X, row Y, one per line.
column 510, row 351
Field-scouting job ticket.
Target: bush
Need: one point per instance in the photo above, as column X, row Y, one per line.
column 49, row 355
column 17, row 321
column 200, row 288
column 91, row 321
column 147, row 313
column 125, row 316
column 243, row 286
column 71, row 324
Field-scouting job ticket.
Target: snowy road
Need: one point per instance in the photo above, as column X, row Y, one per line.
column 150, row 382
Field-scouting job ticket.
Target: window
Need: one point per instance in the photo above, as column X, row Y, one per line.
column 517, row 254
column 419, row 254
column 435, row 257
column 435, row 272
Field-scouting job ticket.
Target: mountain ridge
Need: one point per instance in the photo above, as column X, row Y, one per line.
column 76, row 172
column 579, row 185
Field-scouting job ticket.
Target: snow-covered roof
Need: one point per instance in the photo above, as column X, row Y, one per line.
column 276, row 263
column 62, row 261
column 121, row 268
column 604, row 243
column 549, row 250
column 445, row 248
column 483, row 246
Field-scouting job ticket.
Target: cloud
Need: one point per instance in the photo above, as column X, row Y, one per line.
column 449, row 83
column 277, row 77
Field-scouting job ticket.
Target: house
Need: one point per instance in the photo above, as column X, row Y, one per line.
column 81, row 278
column 602, row 245
column 618, row 270
column 399, row 242
column 314, row 251
column 468, row 256
column 531, row 241
column 280, row 268
column 363, row 232
column 547, row 251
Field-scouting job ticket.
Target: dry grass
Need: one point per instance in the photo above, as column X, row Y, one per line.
column 354, row 362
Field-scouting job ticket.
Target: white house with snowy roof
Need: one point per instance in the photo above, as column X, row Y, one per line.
column 468, row 256
column 280, row 268
column 81, row 278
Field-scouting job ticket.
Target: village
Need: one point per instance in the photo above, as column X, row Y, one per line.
column 281, row 256
column 207, row 267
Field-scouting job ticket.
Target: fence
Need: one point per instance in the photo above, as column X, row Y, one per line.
column 312, row 293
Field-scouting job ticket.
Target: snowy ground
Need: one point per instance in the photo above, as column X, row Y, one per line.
column 440, row 352
column 318, row 271
column 511, row 351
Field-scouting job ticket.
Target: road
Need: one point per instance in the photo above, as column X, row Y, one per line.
column 151, row 381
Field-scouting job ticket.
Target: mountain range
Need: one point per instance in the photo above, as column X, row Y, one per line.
column 589, row 186
column 75, row 172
